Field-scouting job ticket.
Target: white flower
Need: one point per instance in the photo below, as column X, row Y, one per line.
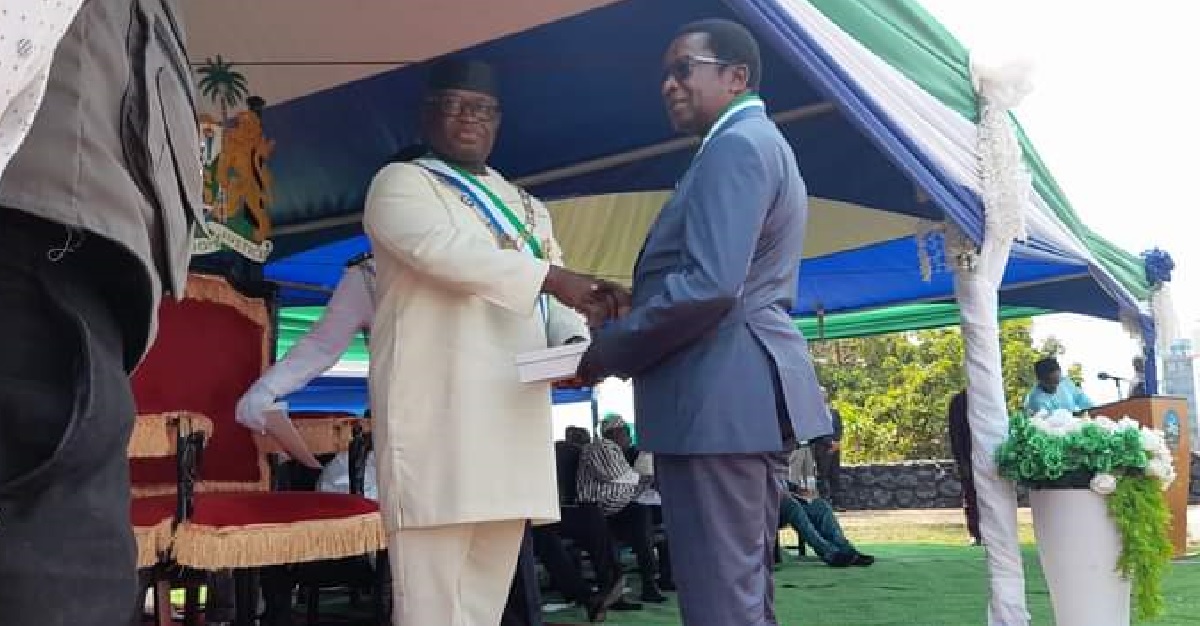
column 1057, row 424
column 1162, row 470
column 1105, row 424
column 1104, row 484
column 1152, row 440
column 1128, row 423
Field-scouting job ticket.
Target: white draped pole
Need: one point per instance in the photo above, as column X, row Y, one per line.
column 1006, row 194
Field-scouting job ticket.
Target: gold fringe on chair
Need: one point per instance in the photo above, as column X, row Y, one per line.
column 154, row 434
column 322, row 435
column 261, row 545
column 146, row 490
column 152, row 541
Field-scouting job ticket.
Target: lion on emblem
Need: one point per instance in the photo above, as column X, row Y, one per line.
column 243, row 175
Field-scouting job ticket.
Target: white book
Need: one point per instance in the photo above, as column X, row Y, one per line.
column 550, row 364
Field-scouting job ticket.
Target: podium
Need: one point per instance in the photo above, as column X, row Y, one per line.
column 1170, row 415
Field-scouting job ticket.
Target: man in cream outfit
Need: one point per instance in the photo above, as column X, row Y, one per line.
column 465, row 450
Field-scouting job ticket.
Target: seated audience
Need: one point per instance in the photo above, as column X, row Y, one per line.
column 607, row 480
column 587, row 527
column 814, row 521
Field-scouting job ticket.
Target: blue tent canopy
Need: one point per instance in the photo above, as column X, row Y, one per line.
column 583, row 117
column 590, row 100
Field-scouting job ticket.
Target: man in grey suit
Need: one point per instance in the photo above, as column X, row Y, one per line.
column 723, row 383
column 96, row 211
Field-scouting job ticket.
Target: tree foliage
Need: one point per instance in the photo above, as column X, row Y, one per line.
column 892, row 391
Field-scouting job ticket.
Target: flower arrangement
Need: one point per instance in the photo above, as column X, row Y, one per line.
column 1129, row 465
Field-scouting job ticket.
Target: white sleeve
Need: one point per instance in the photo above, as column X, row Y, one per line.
column 562, row 322
column 349, row 311
column 32, row 31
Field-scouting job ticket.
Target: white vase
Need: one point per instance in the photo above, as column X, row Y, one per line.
column 1079, row 545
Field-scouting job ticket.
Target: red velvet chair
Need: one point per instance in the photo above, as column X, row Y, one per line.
column 210, row 348
column 177, row 436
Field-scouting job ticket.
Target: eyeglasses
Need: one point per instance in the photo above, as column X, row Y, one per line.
column 453, row 106
column 681, row 69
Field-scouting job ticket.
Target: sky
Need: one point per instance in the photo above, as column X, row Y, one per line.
column 1113, row 115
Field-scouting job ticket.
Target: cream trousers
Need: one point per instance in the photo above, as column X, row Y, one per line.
column 456, row 575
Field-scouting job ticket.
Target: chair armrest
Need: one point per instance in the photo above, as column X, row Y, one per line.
column 155, row 435
column 322, row 435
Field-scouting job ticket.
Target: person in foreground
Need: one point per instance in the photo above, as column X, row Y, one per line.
column 722, row 379
column 97, row 206
column 1054, row 391
column 464, row 259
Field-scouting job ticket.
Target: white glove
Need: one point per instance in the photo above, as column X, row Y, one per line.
column 252, row 406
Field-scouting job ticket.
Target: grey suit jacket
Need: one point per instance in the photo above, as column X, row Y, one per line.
column 114, row 149
column 710, row 340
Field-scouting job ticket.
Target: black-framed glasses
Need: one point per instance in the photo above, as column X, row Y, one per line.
column 681, row 69
column 455, row 106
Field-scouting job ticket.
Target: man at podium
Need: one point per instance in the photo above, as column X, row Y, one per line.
column 1054, row 391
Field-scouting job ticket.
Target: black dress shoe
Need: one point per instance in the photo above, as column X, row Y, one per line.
column 653, row 595
column 840, row 559
column 862, row 560
column 598, row 604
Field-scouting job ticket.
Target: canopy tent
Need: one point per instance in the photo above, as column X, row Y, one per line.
column 880, row 103
column 559, row 138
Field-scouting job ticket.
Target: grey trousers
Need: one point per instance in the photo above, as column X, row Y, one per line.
column 722, row 515
column 67, row 553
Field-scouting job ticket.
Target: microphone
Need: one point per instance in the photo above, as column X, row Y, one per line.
column 1107, row 376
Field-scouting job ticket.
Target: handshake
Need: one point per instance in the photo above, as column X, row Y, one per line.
column 597, row 299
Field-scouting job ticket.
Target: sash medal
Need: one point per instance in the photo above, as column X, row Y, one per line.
column 508, row 228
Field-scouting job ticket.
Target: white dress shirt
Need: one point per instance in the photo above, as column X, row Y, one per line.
column 350, row 310
column 29, row 34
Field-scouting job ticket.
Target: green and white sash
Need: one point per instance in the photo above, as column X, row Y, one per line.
column 748, row 100
column 508, row 228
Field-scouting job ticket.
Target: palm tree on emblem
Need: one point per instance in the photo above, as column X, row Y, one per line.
column 222, row 84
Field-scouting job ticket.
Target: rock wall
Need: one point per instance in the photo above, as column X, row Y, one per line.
column 924, row 485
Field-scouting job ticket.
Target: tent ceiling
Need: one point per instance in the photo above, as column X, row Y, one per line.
column 573, row 100
column 291, row 48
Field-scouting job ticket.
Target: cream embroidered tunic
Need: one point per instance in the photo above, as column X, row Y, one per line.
column 458, row 438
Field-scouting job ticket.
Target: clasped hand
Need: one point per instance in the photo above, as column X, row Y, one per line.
column 597, row 299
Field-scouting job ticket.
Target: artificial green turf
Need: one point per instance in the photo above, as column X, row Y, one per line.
column 910, row 585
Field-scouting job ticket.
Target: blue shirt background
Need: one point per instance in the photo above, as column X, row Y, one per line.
column 1067, row 397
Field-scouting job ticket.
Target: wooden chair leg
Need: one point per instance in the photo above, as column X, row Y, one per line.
column 245, row 592
column 383, row 589
column 313, row 603
column 162, row 602
column 191, row 604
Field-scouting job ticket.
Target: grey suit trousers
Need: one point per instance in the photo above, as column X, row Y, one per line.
column 722, row 515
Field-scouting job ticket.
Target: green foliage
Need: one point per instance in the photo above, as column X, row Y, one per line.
column 222, row 84
column 1034, row 456
column 1061, row 451
column 1140, row 512
column 892, row 390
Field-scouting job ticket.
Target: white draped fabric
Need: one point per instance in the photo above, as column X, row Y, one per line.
column 986, row 159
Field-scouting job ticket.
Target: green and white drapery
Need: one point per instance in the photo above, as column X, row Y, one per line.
column 957, row 111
